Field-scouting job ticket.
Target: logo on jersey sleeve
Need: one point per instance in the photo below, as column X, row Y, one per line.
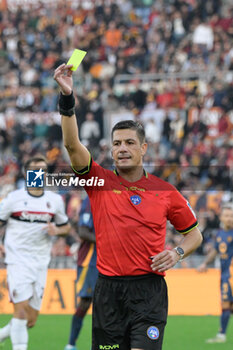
column 35, row 178
column 188, row 204
column 153, row 333
column 135, row 199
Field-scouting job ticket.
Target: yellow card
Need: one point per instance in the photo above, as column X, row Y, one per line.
column 76, row 58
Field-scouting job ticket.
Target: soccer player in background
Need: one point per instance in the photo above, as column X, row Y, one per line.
column 32, row 217
column 87, row 272
column 130, row 214
column 224, row 247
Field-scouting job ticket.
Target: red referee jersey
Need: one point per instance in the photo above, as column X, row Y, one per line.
column 130, row 219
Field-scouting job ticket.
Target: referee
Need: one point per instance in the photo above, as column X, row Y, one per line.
column 130, row 213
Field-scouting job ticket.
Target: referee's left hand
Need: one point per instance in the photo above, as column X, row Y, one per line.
column 164, row 260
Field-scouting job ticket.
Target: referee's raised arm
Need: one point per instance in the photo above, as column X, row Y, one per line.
column 79, row 155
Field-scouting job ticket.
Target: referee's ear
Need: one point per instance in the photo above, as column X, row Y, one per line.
column 144, row 146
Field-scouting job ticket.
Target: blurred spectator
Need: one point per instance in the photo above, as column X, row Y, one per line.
column 203, row 36
column 152, row 131
column 25, row 101
column 104, row 157
column 60, row 248
column 90, row 128
column 113, row 36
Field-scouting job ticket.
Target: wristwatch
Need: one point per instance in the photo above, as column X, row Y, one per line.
column 180, row 252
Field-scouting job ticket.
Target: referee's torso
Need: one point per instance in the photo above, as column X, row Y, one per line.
column 130, row 220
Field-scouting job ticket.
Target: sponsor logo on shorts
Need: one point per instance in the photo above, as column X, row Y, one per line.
column 109, row 347
column 153, row 333
column 135, row 199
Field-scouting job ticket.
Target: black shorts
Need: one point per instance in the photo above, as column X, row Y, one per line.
column 129, row 312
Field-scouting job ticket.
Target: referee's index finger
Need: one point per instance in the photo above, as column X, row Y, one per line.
column 60, row 67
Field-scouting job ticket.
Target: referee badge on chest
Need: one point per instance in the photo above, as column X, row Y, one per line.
column 135, row 199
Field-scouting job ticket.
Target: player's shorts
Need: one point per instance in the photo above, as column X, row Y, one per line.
column 129, row 312
column 26, row 283
column 226, row 290
column 86, row 281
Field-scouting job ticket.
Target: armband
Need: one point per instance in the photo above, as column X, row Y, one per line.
column 66, row 104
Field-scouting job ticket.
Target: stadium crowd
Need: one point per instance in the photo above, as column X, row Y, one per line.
column 187, row 108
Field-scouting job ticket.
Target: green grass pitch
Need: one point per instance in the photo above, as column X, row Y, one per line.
column 182, row 333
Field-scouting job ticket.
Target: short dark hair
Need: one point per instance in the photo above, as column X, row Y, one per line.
column 36, row 159
column 131, row 124
column 228, row 205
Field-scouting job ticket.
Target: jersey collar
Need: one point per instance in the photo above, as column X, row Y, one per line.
column 30, row 194
column 145, row 173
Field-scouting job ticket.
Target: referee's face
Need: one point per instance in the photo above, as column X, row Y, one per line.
column 127, row 151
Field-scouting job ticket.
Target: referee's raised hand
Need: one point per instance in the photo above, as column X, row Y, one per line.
column 63, row 76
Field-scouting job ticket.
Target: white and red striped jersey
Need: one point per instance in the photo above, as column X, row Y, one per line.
column 26, row 216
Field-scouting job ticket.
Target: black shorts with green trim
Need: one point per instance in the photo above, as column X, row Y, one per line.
column 129, row 312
